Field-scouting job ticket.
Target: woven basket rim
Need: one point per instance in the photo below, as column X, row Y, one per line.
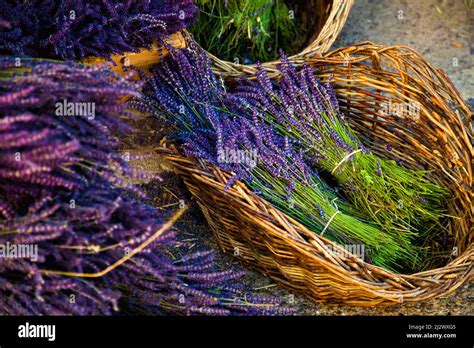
column 205, row 169
column 199, row 169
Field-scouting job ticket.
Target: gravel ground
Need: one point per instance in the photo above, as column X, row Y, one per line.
column 440, row 30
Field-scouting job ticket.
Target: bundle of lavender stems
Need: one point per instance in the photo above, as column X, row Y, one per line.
column 65, row 193
column 400, row 201
column 74, row 30
column 210, row 121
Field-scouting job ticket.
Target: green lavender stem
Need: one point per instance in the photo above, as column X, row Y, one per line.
column 254, row 29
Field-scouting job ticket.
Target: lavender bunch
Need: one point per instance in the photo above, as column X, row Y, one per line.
column 73, row 30
column 64, row 193
column 211, row 123
column 402, row 202
column 47, row 162
column 57, row 116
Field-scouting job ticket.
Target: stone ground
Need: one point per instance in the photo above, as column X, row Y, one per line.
column 441, row 31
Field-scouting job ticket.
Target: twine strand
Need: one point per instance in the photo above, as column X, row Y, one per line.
column 345, row 159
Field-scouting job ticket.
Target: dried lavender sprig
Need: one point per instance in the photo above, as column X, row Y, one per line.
column 402, row 202
column 61, row 192
column 211, row 122
column 73, row 30
column 35, row 94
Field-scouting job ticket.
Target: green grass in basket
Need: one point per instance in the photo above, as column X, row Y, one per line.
column 247, row 31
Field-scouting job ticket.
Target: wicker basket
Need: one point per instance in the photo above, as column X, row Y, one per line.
column 331, row 15
column 143, row 59
column 365, row 76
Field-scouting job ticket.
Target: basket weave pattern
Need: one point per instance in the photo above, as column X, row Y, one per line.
column 439, row 138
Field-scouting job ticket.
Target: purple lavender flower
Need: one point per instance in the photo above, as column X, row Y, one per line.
column 73, row 30
column 307, row 111
column 211, row 122
column 63, row 190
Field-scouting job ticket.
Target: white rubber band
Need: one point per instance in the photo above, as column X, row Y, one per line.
column 345, row 159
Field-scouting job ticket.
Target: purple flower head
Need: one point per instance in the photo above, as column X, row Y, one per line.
column 73, row 30
column 64, row 190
